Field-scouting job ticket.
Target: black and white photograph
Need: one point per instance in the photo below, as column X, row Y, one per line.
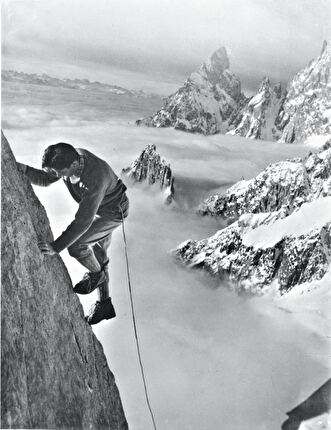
column 166, row 214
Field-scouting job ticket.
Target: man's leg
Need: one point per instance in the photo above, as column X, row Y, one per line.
column 101, row 247
column 84, row 252
column 100, row 251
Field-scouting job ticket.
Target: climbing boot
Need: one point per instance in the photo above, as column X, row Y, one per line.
column 101, row 311
column 90, row 281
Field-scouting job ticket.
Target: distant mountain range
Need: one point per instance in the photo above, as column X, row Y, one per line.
column 211, row 101
column 76, row 84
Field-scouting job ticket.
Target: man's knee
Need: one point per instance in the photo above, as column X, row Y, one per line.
column 77, row 250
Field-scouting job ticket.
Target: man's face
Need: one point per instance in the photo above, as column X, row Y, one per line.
column 66, row 172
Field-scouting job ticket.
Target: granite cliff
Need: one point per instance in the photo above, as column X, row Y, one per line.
column 305, row 111
column 54, row 373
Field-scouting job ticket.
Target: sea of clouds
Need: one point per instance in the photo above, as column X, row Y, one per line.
column 213, row 359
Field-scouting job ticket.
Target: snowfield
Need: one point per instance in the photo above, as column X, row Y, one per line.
column 310, row 216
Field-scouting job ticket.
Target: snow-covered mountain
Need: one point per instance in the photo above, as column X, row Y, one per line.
column 283, row 186
column 205, row 103
column 210, row 101
column 151, row 168
column 257, row 118
column 281, row 236
column 306, row 111
column 76, row 84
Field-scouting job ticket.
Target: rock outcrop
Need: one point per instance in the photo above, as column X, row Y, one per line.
column 151, row 168
column 280, row 196
column 299, row 115
column 54, row 373
column 306, row 110
column 284, row 185
column 257, row 118
column 205, row 103
column 292, row 261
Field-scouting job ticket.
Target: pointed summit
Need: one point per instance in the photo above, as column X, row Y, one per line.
column 258, row 116
column 325, row 47
column 264, row 85
column 304, row 115
column 215, row 66
column 206, row 101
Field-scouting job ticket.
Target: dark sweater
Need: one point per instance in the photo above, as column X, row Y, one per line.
column 99, row 192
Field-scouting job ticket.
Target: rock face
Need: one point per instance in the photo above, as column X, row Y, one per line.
column 270, row 199
column 151, row 168
column 257, row 118
column 291, row 261
column 306, row 110
column 54, row 373
column 303, row 113
column 205, row 103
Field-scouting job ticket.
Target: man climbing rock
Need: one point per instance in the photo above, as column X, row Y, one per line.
column 103, row 204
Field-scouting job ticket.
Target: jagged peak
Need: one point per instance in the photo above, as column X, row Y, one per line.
column 325, row 47
column 265, row 84
column 219, row 60
column 214, row 67
column 150, row 167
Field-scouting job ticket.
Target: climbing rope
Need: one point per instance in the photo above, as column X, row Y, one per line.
column 135, row 323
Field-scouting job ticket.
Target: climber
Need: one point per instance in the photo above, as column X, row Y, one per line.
column 103, row 204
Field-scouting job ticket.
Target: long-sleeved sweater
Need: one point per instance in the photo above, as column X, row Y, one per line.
column 98, row 192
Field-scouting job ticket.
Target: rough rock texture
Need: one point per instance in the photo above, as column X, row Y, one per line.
column 257, row 118
column 303, row 114
column 292, row 261
column 151, row 168
column 54, row 373
column 286, row 184
column 206, row 101
column 306, row 110
column 276, row 193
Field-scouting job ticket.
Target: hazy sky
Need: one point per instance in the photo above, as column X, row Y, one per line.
column 157, row 43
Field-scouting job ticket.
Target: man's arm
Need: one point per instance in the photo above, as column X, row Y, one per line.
column 36, row 176
column 84, row 217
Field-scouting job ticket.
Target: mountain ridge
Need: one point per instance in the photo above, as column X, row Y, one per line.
column 279, row 228
column 210, row 101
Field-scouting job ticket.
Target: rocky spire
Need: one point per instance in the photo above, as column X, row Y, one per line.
column 257, row 118
column 214, row 67
column 325, row 46
column 151, row 168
